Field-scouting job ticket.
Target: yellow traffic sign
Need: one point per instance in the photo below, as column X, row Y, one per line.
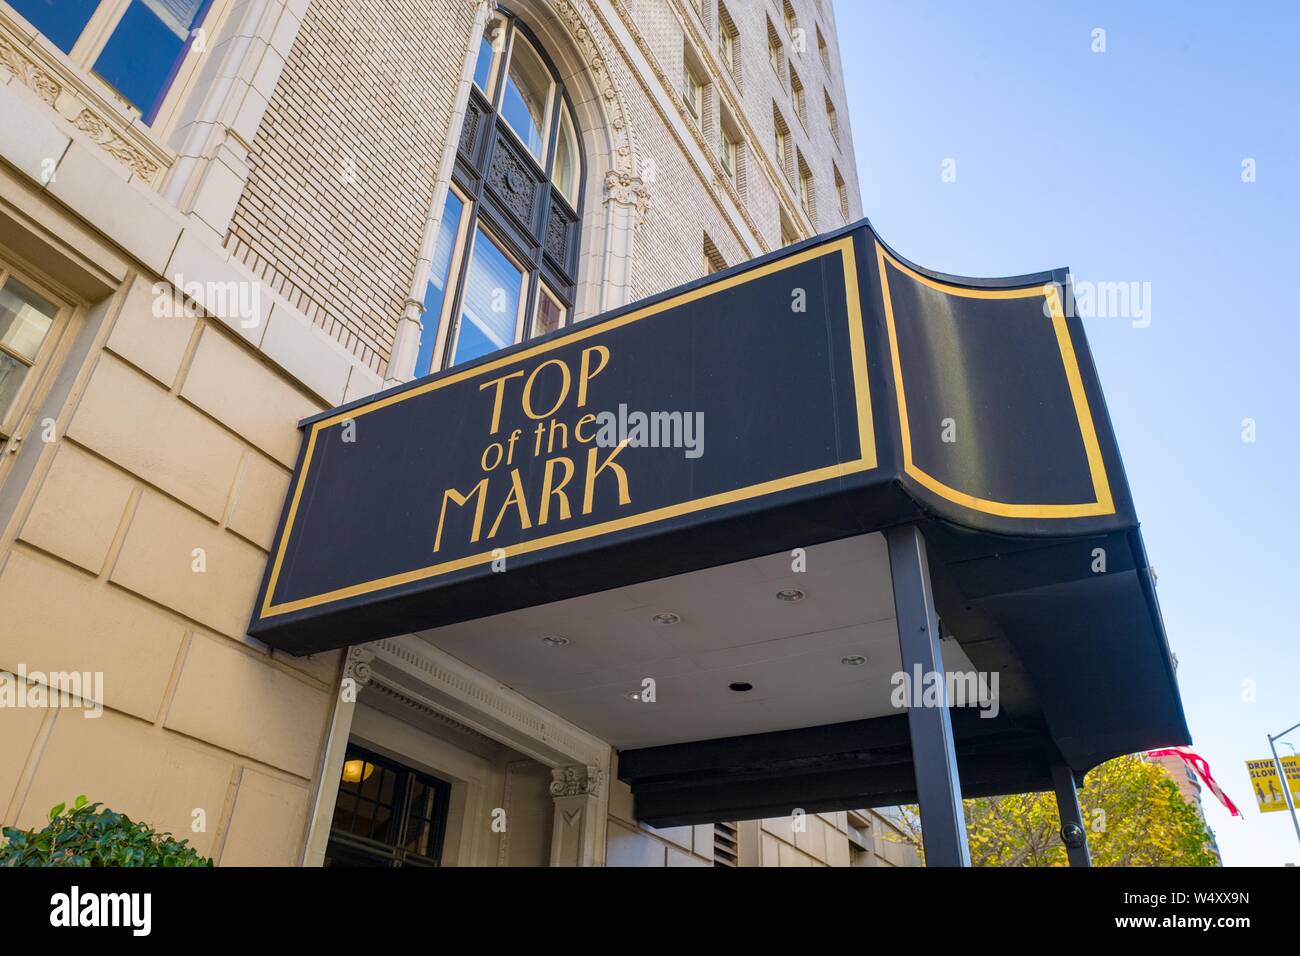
column 1268, row 790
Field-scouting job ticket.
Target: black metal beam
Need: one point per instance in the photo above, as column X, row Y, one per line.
column 859, row 764
column 934, row 751
column 1073, row 832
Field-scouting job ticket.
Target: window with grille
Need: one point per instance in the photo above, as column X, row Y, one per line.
column 832, row 117
column 386, row 814
column 31, row 322
column 798, row 98
column 775, row 51
column 505, row 261
column 728, row 41
column 781, row 131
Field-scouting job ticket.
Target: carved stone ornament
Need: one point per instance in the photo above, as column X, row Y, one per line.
column 576, row 781
column 358, row 666
column 113, row 144
column 628, row 190
column 28, row 72
column 576, row 24
column 62, row 90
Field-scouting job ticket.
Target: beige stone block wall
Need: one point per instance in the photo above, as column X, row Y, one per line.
column 812, row 839
column 136, row 551
column 881, row 840
column 632, row 843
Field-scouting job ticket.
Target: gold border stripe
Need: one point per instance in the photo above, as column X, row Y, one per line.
column 1103, row 504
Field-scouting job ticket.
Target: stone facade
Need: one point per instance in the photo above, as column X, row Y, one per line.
column 256, row 256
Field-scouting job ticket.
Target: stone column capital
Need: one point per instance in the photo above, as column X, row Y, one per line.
column 625, row 189
column 576, row 781
column 357, row 666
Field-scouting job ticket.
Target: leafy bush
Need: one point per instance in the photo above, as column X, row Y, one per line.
column 87, row 835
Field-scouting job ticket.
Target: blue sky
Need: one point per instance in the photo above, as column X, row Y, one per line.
column 1127, row 166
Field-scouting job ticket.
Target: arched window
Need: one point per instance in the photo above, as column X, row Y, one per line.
column 504, row 265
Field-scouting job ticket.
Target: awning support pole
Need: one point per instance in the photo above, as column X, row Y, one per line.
column 1073, row 833
column 934, row 752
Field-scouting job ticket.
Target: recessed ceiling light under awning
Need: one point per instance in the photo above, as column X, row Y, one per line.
column 830, row 392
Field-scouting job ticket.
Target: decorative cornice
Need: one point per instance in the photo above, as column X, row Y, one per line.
column 28, row 72
column 103, row 135
column 58, row 84
column 445, row 678
column 576, row 781
column 397, row 694
column 598, row 64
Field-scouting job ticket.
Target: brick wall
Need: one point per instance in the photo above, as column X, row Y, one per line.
column 343, row 166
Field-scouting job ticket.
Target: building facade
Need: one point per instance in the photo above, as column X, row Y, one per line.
column 220, row 216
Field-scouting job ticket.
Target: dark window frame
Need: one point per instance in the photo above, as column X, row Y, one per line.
column 525, row 242
column 349, row 848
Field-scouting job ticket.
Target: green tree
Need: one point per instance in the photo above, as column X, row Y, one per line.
column 85, row 834
column 1132, row 811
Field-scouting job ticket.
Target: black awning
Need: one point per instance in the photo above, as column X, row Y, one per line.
column 828, row 390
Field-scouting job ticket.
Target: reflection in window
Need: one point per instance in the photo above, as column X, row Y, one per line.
column 565, row 173
column 146, row 47
column 147, row 41
column 728, row 151
column 25, row 319
column 693, row 95
column 440, row 269
column 489, row 46
column 550, row 314
column 61, row 21
column 525, row 104
column 492, row 299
